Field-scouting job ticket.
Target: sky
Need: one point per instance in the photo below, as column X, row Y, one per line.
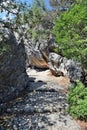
column 46, row 3
column 2, row 15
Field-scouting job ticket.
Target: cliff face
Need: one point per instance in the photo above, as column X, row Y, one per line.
column 13, row 77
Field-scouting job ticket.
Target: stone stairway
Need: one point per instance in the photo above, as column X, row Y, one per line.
column 41, row 107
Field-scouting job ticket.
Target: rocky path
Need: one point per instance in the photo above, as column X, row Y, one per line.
column 41, row 107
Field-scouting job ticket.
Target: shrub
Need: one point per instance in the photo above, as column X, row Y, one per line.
column 70, row 32
column 77, row 100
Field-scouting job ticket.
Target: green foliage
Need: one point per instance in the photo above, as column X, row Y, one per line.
column 33, row 16
column 77, row 100
column 40, row 4
column 70, row 31
column 4, row 47
column 27, row 20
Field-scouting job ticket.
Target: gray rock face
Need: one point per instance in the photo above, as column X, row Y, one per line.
column 37, row 52
column 13, row 77
column 38, row 48
column 61, row 66
column 84, row 78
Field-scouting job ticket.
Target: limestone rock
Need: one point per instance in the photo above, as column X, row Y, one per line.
column 37, row 52
column 35, row 59
column 13, row 77
column 61, row 66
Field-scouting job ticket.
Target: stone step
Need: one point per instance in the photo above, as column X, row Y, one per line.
column 47, row 121
column 42, row 106
column 36, row 102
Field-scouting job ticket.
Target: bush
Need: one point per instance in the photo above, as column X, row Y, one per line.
column 70, row 32
column 77, row 100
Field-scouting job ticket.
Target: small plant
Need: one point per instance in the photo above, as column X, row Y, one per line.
column 4, row 47
column 77, row 100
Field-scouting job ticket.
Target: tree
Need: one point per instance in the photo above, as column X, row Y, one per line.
column 25, row 17
column 8, row 7
column 70, row 31
column 61, row 4
column 11, row 7
column 40, row 4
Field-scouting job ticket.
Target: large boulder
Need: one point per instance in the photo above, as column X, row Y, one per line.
column 61, row 66
column 34, row 57
column 38, row 52
column 13, row 77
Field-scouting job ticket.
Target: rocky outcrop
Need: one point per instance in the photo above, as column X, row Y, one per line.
column 35, row 58
column 13, row 77
column 61, row 66
column 41, row 55
column 39, row 42
column 38, row 52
